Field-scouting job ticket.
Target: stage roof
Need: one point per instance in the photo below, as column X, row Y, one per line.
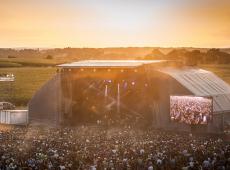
column 109, row 63
column 203, row 83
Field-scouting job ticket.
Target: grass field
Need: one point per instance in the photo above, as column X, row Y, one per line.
column 28, row 80
column 34, row 62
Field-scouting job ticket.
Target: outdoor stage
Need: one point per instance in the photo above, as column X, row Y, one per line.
column 129, row 92
column 107, row 94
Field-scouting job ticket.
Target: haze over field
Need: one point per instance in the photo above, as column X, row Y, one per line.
column 102, row 23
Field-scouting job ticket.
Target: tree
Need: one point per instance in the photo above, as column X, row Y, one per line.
column 11, row 56
column 212, row 56
column 156, row 54
column 194, row 57
column 176, row 54
column 49, row 57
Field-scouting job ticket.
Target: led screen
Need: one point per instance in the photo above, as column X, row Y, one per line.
column 191, row 109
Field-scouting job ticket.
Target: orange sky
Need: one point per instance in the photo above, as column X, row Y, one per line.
column 107, row 23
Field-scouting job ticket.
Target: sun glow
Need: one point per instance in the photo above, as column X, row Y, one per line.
column 108, row 24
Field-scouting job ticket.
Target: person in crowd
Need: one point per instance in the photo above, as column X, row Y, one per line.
column 114, row 148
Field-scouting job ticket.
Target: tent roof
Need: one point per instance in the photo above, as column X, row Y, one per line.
column 203, row 83
column 109, row 63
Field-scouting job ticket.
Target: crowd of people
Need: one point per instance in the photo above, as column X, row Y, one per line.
column 191, row 110
column 100, row 148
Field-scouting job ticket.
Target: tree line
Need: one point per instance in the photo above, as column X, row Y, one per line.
column 193, row 57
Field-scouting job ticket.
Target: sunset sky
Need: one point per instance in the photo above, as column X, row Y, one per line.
column 114, row 23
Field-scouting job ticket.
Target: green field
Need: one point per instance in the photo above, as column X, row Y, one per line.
column 32, row 62
column 28, row 80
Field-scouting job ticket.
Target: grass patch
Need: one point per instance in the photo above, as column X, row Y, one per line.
column 32, row 62
column 9, row 64
column 28, row 81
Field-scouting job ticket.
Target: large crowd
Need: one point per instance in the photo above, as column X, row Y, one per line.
column 191, row 110
column 100, row 148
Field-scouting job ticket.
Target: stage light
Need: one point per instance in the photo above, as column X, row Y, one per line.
column 135, row 70
column 133, row 83
column 110, row 81
column 125, row 85
column 94, row 70
column 146, row 84
column 93, row 107
column 106, row 90
column 109, row 70
column 69, row 70
column 82, row 69
column 122, row 70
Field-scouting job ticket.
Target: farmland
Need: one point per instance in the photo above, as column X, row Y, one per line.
column 28, row 80
column 34, row 62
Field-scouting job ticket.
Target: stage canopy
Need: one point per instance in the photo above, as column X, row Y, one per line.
column 109, row 63
column 203, row 83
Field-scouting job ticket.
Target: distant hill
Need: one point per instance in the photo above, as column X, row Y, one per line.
column 156, row 54
column 51, row 57
column 193, row 56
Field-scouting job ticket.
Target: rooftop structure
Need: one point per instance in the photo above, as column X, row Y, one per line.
column 203, row 83
column 109, row 63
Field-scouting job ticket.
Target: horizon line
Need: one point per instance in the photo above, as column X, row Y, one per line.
column 115, row 47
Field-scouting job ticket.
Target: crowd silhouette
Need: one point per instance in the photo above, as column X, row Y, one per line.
column 96, row 147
